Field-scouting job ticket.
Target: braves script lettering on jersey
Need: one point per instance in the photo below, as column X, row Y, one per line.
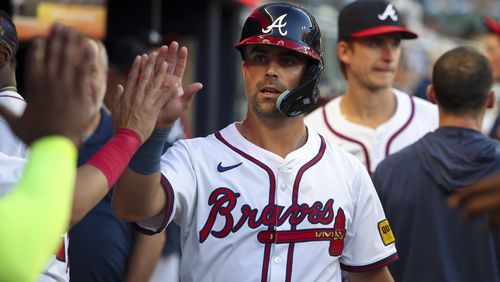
column 247, row 214
column 413, row 118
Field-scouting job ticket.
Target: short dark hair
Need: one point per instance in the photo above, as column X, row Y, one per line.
column 462, row 80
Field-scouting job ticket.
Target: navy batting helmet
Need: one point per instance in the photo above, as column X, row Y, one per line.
column 291, row 27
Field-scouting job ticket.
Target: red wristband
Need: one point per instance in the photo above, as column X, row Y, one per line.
column 114, row 156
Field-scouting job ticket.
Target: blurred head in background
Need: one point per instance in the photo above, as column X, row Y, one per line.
column 492, row 46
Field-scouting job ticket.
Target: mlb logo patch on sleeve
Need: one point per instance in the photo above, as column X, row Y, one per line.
column 385, row 232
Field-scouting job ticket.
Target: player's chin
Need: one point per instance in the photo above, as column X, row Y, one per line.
column 267, row 109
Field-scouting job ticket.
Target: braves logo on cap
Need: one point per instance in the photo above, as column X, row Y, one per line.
column 277, row 23
column 389, row 12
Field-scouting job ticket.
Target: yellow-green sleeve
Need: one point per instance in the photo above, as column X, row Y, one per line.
column 35, row 214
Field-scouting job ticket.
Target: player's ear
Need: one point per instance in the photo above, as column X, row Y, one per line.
column 490, row 103
column 343, row 50
column 431, row 94
column 4, row 56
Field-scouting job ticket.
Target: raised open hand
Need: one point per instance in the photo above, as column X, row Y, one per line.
column 180, row 98
column 58, row 86
column 138, row 105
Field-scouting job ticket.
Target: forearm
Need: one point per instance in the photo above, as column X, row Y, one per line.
column 99, row 174
column 145, row 255
column 91, row 187
column 138, row 197
column 378, row 275
column 139, row 194
column 39, row 204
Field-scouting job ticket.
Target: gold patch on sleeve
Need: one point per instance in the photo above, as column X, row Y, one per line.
column 385, row 232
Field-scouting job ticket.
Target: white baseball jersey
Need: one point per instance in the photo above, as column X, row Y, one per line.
column 11, row 170
column 414, row 117
column 9, row 143
column 247, row 214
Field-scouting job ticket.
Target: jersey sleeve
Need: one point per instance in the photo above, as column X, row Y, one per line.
column 11, row 144
column 369, row 240
column 179, row 181
column 40, row 204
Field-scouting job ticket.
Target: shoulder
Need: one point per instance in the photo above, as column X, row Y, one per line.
column 13, row 101
column 344, row 160
column 328, row 107
column 423, row 110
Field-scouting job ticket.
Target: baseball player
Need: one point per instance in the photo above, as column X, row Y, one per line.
column 142, row 98
column 372, row 119
column 39, row 202
column 10, row 145
column 264, row 199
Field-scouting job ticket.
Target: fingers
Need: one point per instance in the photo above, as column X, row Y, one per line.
column 132, row 80
column 172, row 56
column 180, row 66
column 479, row 205
column 162, row 57
column 52, row 49
column 146, row 75
column 489, row 185
column 118, row 96
column 82, row 70
column 34, row 72
column 189, row 93
column 156, row 84
column 67, row 61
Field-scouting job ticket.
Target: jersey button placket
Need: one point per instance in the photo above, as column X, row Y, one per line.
column 283, row 187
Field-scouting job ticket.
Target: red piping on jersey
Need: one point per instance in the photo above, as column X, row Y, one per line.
column 370, row 267
column 168, row 209
column 300, row 236
column 388, row 146
column 295, row 196
column 365, row 151
column 363, row 147
column 10, row 96
column 61, row 254
column 272, row 191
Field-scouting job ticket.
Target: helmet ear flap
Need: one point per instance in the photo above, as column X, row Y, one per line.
column 297, row 101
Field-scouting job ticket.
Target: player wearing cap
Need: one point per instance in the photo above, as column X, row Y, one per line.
column 264, row 199
column 372, row 119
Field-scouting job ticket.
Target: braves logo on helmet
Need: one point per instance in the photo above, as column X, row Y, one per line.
column 277, row 23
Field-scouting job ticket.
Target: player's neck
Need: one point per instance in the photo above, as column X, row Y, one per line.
column 7, row 78
column 280, row 136
column 465, row 121
column 368, row 108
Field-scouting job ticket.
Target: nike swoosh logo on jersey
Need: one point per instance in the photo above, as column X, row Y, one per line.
column 221, row 168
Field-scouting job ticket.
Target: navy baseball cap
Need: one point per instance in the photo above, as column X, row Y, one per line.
column 364, row 18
